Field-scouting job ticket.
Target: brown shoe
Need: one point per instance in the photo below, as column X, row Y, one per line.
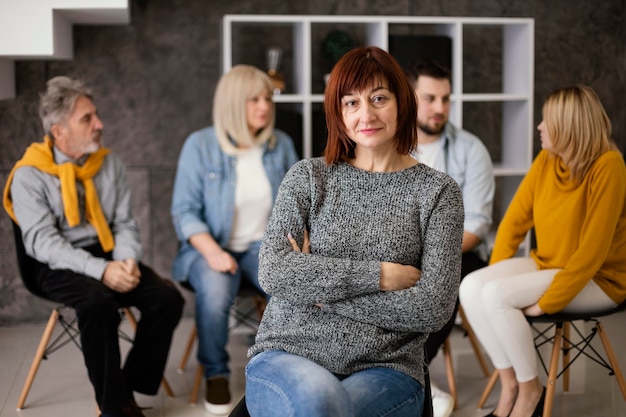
column 217, row 396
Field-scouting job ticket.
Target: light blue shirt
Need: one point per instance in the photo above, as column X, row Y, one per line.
column 465, row 158
column 204, row 190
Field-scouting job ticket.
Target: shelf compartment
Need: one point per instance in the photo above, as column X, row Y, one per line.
column 504, row 127
column 286, row 35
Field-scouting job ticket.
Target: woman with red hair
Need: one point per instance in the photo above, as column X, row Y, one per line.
column 343, row 333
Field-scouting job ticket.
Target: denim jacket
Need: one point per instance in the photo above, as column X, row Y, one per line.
column 204, row 190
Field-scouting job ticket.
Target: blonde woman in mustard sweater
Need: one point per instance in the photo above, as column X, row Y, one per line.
column 574, row 197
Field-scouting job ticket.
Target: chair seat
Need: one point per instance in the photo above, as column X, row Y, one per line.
column 562, row 317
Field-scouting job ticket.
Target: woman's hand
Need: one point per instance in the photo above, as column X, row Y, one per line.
column 306, row 245
column 394, row 277
column 533, row 310
column 218, row 259
column 222, row 261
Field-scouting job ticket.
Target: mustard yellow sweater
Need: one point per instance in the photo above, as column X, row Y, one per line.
column 580, row 228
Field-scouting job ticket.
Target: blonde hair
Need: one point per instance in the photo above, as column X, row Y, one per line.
column 578, row 126
column 230, row 118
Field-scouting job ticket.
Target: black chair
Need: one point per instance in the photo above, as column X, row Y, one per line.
column 243, row 315
column 241, row 409
column 69, row 334
column 562, row 323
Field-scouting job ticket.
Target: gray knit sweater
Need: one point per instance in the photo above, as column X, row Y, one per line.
column 356, row 219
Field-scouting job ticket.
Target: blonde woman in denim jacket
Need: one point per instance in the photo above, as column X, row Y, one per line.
column 226, row 182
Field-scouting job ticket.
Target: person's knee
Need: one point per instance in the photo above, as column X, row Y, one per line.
column 304, row 398
column 171, row 296
column 300, row 384
column 99, row 307
column 494, row 299
column 491, row 292
column 161, row 300
column 214, row 300
column 170, row 301
column 471, row 287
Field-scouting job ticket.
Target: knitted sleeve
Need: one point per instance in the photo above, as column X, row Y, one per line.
column 356, row 220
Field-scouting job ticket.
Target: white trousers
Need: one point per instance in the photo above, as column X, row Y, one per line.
column 493, row 298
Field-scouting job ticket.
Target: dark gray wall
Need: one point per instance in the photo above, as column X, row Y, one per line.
column 154, row 81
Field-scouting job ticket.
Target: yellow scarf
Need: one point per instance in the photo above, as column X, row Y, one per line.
column 40, row 156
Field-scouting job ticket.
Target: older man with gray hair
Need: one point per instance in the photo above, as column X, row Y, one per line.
column 71, row 200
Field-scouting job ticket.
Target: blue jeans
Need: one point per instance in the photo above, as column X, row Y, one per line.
column 280, row 384
column 215, row 295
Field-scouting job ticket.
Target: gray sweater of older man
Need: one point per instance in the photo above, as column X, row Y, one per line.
column 327, row 305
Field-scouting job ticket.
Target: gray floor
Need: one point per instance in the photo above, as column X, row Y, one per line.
column 61, row 387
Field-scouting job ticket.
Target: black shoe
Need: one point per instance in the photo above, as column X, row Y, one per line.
column 131, row 410
column 217, row 396
column 539, row 409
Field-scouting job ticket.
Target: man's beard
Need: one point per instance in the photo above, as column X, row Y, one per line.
column 94, row 145
column 429, row 131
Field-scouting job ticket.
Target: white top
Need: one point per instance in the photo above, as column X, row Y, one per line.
column 253, row 200
column 427, row 152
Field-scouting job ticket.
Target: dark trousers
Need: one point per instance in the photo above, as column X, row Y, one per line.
column 97, row 309
column 469, row 263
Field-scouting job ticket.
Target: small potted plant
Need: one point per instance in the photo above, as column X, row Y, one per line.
column 336, row 43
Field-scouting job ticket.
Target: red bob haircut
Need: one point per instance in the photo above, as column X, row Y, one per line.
column 358, row 70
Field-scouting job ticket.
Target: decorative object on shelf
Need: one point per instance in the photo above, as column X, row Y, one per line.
column 336, row 43
column 274, row 56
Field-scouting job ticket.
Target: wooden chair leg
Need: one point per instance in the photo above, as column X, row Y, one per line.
column 130, row 316
column 566, row 349
column 608, row 348
column 553, row 371
column 41, row 349
column 196, row 384
column 488, row 388
column 188, row 348
column 474, row 342
column 167, row 388
column 447, row 356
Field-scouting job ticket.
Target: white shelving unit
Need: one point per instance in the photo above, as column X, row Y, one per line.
column 513, row 96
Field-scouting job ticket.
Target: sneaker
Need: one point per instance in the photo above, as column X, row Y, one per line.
column 443, row 403
column 217, row 396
